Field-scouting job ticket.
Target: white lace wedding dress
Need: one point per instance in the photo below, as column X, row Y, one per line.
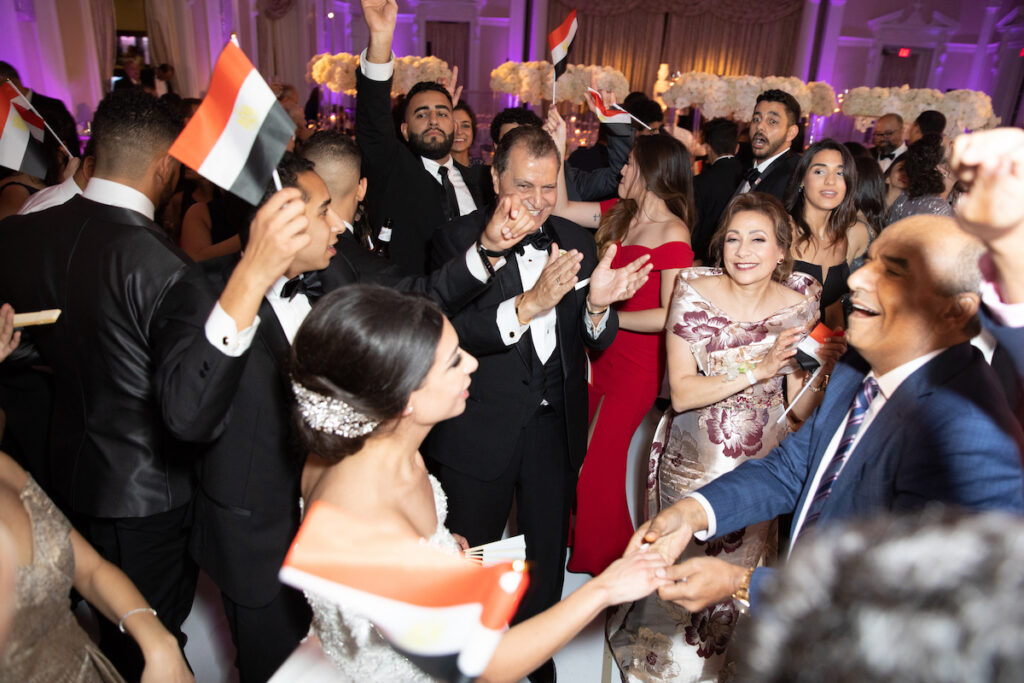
column 352, row 643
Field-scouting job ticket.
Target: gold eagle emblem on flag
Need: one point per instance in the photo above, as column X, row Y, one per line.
column 247, row 117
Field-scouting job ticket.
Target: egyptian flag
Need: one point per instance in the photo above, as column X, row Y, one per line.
column 240, row 131
column 560, row 40
column 609, row 113
column 807, row 350
column 442, row 611
column 21, row 134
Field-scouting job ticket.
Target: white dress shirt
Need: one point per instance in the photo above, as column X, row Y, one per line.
column 887, row 385
column 115, row 194
column 884, row 164
column 48, row 197
column 761, row 167
column 543, row 327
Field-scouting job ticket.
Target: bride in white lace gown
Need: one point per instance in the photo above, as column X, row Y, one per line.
column 373, row 370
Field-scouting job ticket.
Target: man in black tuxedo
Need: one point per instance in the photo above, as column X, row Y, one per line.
column 773, row 127
column 50, row 108
column 222, row 339
column 714, row 187
column 888, row 140
column 101, row 259
column 524, row 430
column 414, row 182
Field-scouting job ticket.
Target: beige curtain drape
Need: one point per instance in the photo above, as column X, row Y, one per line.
column 449, row 41
column 726, row 37
column 104, row 26
column 177, row 35
column 286, row 44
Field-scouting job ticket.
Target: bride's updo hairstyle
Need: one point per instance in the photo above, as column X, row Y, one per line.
column 355, row 360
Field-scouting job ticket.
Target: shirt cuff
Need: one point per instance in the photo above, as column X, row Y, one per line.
column 223, row 334
column 508, row 322
column 709, row 512
column 376, row 72
column 1010, row 315
column 476, row 265
column 595, row 330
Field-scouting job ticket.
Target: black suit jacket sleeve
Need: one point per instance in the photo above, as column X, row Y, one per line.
column 451, row 285
column 195, row 382
column 603, row 182
column 375, row 131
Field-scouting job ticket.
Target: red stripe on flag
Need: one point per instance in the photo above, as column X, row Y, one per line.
column 556, row 37
column 5, row 107
column 30, row 117
column 208, row 124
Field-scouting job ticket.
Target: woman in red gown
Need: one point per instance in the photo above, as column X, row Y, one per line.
column 653, row 217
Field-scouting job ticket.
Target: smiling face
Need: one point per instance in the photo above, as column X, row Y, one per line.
column 428, row 125
column 323, row 229
column 751, row 253
column 825, row 183
column 770, row 130
column 463, row 131
column 898, row 175
column 533, row 179
column 445, row 389
column 901, row 305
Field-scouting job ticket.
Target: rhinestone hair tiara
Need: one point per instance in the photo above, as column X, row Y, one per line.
column 331, row 415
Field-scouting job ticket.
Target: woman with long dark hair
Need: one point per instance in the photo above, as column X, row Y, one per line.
column 373, row 370
column 926, row 188
column 821, row 198
column 652, row 217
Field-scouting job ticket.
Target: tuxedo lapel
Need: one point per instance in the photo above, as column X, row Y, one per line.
column 511, row 284
column 472, row 181
column 566, row 307
column 271, row 333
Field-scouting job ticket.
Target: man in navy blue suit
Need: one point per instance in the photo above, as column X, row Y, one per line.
column 912, row 415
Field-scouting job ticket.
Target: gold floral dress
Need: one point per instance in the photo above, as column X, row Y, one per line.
column 654, row 640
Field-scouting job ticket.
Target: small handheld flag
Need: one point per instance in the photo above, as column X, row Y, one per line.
column 240, row 131
column 612, row 113
column 21, row 134
column 808, row 359
column 559, row 41
column 441, row 610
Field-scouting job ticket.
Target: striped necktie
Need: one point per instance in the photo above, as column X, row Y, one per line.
column 867, row 392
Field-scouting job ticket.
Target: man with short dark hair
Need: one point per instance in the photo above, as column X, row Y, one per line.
column 888, row 140
column 927, row 123
column 773, row 127
column 912, row 414
column 101, row 259
column 713, row 187
column 509, row 118
column 525, row 427
column 222, row 340
column 417, row 185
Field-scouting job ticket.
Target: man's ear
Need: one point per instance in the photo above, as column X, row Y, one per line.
column 791, row 134
column 361, row 190
column 962, row 309
column 405, row 131
column 494, row 179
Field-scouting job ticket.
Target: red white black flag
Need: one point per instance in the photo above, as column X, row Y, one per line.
column 560, row 40
column 21, row 134
column 240, row 131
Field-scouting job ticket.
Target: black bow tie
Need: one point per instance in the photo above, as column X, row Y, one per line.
column 887, row 156
column 538, row 239
column 307, row 283
column 753, row 177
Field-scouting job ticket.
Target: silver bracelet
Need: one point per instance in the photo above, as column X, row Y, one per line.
column 750, row 377
column 120, row 624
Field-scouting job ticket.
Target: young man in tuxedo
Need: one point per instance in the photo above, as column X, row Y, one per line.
column 222, row 339
column 413, row 181
column 101, row 259
column 913, row 414
column 888, row 140
column 524, row 430
column 773, row 127
column 714, row 186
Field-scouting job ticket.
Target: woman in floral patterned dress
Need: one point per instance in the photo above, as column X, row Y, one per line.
column 731, row 341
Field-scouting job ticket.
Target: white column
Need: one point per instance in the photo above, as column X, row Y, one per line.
column 805, row 44
column 517, row 29
column 981, row 53
column 539, row 31
column 830, row 40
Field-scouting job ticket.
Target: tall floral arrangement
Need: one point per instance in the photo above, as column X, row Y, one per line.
column 338, row 72
column 531, row 81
